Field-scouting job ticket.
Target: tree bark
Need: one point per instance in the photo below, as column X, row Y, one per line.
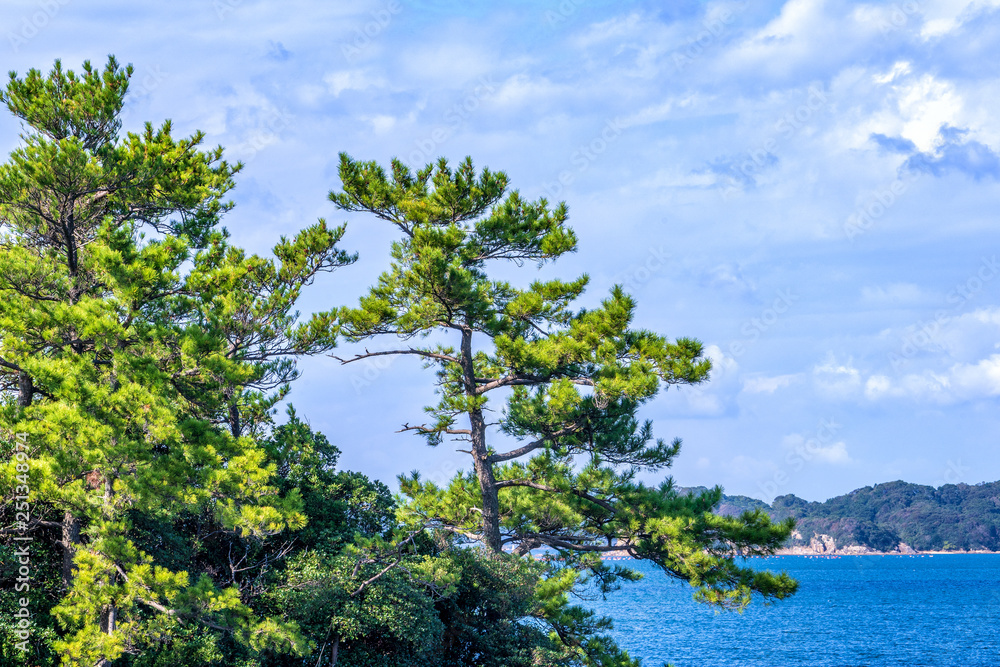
column 480, row 453
column 25, row 390
column 109, row 619
column 70, row 538
column 235, row 427
column 487, row 482
column 109, row 615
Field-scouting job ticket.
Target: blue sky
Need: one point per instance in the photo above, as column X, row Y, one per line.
column 808, row 187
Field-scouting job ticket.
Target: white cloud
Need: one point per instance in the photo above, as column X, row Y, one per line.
column 924, row 106
column 338, row 82
column 666, row 109
column 797, row 18
column 715, row 397
column 877, row 386
column 990, row 316
column 249, row 121
column 944, row 16
column 615, row 28
column 961, row 382
column 723, row 366
column 448, row 63
column 836, row 380
column 310, row 93
column 728, row 276
column 977, row 380
column 677, row 178
column 834, row 453
column 522, row 90
column 928, row 387
column 898, row 70
column 813, row 449
column 800, row 35
column 382, row 123
column 768, row 385
column 964, row 338
column 899, row 102
column 894, row 293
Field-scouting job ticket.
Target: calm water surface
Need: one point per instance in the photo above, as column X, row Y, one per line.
column 850, row 610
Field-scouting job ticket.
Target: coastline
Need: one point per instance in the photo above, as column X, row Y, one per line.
column 854, row 550
column 862, row 551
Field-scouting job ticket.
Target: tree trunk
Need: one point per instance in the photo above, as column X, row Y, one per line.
column 25, row 390
column 487, row 482
column 480, row 453
column 109, row 615
column 70, row 538
column 109, row 619
column 235, row 427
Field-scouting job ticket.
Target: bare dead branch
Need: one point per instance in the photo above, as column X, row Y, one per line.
column 422, row 353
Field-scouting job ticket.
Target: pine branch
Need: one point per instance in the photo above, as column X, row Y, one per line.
column 532, row 446
column 423, row 353
column 507, row 483
column 523, row 379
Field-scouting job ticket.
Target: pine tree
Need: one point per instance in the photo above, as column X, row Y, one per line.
column 134, row 344
column 570, row 383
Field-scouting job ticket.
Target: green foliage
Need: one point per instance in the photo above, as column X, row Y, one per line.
column 340, row 507
column 569, row 384
column 130, row 333
column 190, row 646
column 43, row 594
column 338, row 504
column 142, row 357
column 391, row 622
column 875, row 536
column 450, row 608
column 967, row 517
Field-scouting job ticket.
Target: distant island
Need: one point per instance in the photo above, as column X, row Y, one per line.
column 890, row 518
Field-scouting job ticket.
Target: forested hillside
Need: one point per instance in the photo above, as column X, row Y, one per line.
column 953, row 516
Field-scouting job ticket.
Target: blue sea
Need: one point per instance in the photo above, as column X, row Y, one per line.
column 849, row 611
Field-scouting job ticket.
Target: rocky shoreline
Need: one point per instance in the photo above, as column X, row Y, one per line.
column 824, row 545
